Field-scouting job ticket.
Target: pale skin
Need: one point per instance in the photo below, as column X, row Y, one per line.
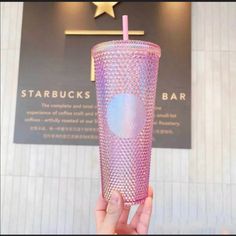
column 112, row 216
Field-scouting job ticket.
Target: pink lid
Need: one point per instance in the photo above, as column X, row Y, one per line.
column 127, row 45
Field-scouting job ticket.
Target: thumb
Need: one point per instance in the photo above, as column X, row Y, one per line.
column 114, row 210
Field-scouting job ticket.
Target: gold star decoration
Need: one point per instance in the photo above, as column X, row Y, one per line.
column 104, row 7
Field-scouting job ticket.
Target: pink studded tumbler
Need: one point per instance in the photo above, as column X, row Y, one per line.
column 126, row 77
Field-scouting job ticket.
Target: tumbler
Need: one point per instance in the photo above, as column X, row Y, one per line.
column 126, row 74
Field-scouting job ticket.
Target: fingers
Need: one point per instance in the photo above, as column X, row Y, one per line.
column 144, row 219
column 150, row 191
column 136, row 216
column 113, row 213
column 124, row 215
column 100, row 210
column 142, row 216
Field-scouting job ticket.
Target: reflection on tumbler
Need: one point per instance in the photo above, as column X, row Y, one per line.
column 126, row 115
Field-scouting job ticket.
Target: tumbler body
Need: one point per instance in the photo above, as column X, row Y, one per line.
column 126, row 76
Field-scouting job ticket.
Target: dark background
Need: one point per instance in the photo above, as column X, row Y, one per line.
column 51, row 60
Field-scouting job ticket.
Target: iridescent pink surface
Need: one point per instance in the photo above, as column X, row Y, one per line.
column 126, row 76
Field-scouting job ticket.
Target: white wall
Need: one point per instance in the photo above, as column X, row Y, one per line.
column 52, row 189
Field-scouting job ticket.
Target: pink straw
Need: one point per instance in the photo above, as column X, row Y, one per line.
column 125, row 27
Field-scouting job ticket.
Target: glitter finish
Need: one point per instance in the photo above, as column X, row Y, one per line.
column 126, row 76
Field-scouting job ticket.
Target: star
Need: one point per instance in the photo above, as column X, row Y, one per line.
column 104, row 7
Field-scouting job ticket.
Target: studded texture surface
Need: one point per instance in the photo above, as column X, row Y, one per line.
column 125, row 67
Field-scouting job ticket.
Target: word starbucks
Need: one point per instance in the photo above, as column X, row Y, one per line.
column 31, row 93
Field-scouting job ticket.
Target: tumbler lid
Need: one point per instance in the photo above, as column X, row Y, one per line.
column 127, row 46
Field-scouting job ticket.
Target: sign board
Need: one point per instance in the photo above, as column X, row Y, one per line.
column 56, row 101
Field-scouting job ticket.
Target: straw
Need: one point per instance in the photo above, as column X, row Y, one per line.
column 125, row 27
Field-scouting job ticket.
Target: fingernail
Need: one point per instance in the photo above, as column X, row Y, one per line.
column 115, row 198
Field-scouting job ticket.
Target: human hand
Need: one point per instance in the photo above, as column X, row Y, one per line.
column 112, row 216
